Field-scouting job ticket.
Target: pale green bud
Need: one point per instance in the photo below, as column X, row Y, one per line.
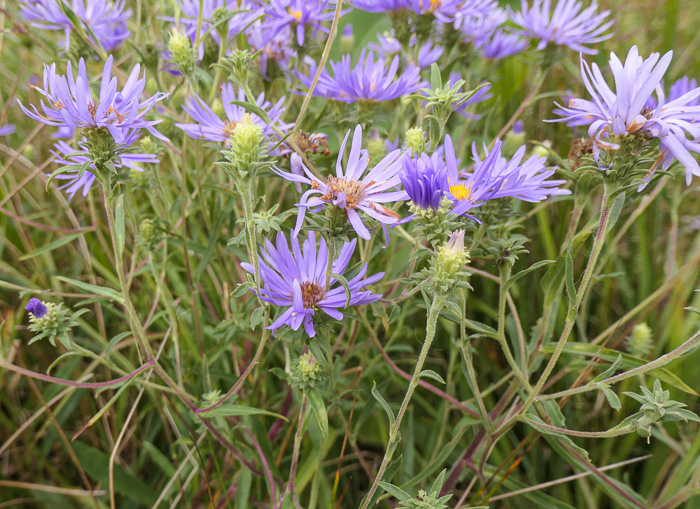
column 376, row 148
column 181, row 52
column 211, row 397
column 246, row 136
column 639, row 343
column 306, row 372
column 415, row 140
column 452, row 256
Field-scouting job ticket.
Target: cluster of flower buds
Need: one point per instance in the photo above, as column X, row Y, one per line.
column 639, row 343
column 448, row 265
column 49, row 320
column 248, row 148
column 424, row 499
column 306, row 373
column 182, row 53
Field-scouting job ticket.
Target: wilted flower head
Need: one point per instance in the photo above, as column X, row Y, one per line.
column 67, row 155
column 296, row 280
column 369, row 80
column 297, row 15
column 567, row 25
column 626, row 112
column 208, row 125
column 350, row 191
column 70, row 102
column 107, row 19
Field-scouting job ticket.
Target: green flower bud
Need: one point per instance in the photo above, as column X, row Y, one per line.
column 306, row 372
column 247, row 135
column 347, row 42
column 639, row 343
column 513, row 141
column 451, row 257
column 148, row 146
column 543, row 149
column 415, row 140
column 181, row 52
column 376, row 149
column 49, row 320
column 147, row 230
column 211, row 397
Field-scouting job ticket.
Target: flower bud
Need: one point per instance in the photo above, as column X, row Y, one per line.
column 514, row 139
column 376, row 149
column 148, row 146
column 639, row 343
column 247, row 135
column 181, row 52
column 452, row 256
column 415, row 140
column 147, row 230
column 48, row 320
column 306, row 372
column 211, row 397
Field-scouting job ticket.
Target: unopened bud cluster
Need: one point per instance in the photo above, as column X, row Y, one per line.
column 639, row 343
column 415, row 140
column 306, row 372
column 181, row 52
column 448, row 265
column 436, row 226
column 248, row 148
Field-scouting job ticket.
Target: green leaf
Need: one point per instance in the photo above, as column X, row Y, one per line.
column 346, row 285
column 99, row 290
column 428, row 373
column 525, row 272
column 253, row 108
column 96, row 465
column 59, row 359
column 238, row 410
column 610, row 395
column 241, row 289
column 119, row 227
column 257, row 317
column 114, row 341
column 628, row 362
column 319, row 408
column 435, row 78
column 384, row 404
column 545, row 429
column 395, row 491
column 610, row 371
column 61, row 241
column 569, row 275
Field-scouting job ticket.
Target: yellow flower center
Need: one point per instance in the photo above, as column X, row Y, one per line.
column 296, row 14
column 461, row 191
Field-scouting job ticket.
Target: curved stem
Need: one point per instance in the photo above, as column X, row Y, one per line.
column 606, row 205
column 394, row 439
column 70, row 383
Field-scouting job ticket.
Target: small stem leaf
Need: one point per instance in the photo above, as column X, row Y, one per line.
column 428, row 373
column 345, row 284
column 319, row 408
column 610, row 395
column 384, row 404
column 99, row 290
column 119, row 226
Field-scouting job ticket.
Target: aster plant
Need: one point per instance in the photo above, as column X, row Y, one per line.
column 298, row 281
column 353, row 189
column 632, row 113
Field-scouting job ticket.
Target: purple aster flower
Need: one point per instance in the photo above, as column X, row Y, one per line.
column 283, row 14
column 208, row 125
column 470, row 10
column 483, row 94
column 481, row 27
column 246, row 13
column 367, row 81
column 67, row 155
column 424, row 178
column 567, row 26
column 296, row 280
column 678, row 89
column 428, row 179
column 389, row 46
column 501, row 45
column 626, row 111
column 71, row 103
column 350, row 190
column 380, row 5
column 107, row 19
column 7, row 129
column 275, row 49
column 36, row 308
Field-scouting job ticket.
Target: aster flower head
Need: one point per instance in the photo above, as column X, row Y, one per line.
column 209, row 126
column 351, row 189
column 77, row 180
column 107, row 19
column 369, row 80
column 628, row 111
column 297, row 15
column 502, row 44
column 424, row 177
column 296, row 279
column 70, row 102
column 568, row 25
column 36, row 308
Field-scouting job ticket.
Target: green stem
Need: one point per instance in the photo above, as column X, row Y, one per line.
column 606, row 205
column 502, row 299
column 394, row 439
